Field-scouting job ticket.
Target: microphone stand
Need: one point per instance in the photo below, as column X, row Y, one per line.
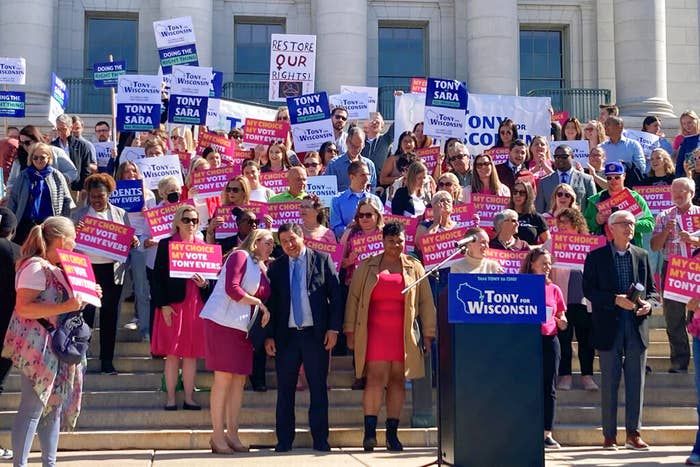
column 435, row 270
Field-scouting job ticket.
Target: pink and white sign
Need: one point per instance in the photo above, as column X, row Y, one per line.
column 682, row 279
column 220, row 144
column 275, row 181
column 335, row 250
column 430, row 157
column 498, row 155
column 367, row 245
column 160, row 219
column 284, row 213
column 436, row 247
column 658, row 197
column 487, row 206
column 410, row 225
column 210, row 183
column 229, row 227
column 462, row 214
column 264, row 132
column 104, row 238
column 80, row 275
column 187, row 259
column 622, row 201
column 570, row 250
column 510, row 261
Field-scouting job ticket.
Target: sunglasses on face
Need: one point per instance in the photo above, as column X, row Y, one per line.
column 311, row 165
column 444, row 184
column 365, row 215
column 340, row 117
column 39, row 158
column 26, row 142
column 190, row 220
column 519, row 193
column 482, row 164
column 233, row 189
column 457, row 157
column 562, row 194
column 613, row 177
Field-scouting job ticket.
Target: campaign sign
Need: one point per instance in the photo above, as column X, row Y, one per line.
column 430, row 157
column 496, row 298
column 510, row 261
column 410, row 227
column 487, row 206
column 462, row 214
column 132, row 153
column 229, row 227
column 292, row 66
column 155, row 168
column 264, row 132
column 371, row 92
column 220, row 144
column 189, row 94
column 560, row 117
column 334, row 250
column 106, row 74
column 180, row 55
column 275, row 181
column 690, row 223
column 658, row 197
column 436, row 247
column 682, row 279
column 498, row 155
column 210, row 183
column 138, row 102
column 284, row 213
column 445, row 108
column 323, row 186
column 579, row 148
column 174, row 31
column 570, row 250
column 12, row 104
column 648, row 141
column 104, row 238
column 13, row 70
column 103, row 153
column 310, row 117
column 217, row 84
column 366, row 245
column 226, row 115
column 622, row 201
column 356, row 103
column 128, row 195
column 160, row 219
column 419, row 85
column 81, row 277
column 58, row 98
column 187, row 259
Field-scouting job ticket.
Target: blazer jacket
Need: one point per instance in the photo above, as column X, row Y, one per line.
column 80, row 155
column 324, row 297
column 582, row 184
column 508, row 178
column 599, row 287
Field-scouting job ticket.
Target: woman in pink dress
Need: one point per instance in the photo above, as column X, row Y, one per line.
column 178, row 331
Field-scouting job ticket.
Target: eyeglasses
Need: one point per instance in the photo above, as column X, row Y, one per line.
column 482, row 164
column 561, row 156
column 613, row 177
column 311, row 165
column 190, row 220
column 233, row 189
column 624, row 223
column 334, row 151
column 365, row 215
column 519, row 192
column 340, row 117
column 563, row 194
column 26, row 142
column 444, row 184
column 457, row 157
column 40, row 158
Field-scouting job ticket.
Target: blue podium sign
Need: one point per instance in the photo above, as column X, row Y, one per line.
column 496, row 298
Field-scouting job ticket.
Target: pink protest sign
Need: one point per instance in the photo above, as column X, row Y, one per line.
column 411, row 226
column 104, row 238
column 560, row 117
column 333, row 249
column 682, row 279
column 430, row 157
column 462, row 214
column 284, row 213
column 510, row 261
column 498, row 155
column 229, row 227
column 570, row 250
column 436, row 247
column 487, row 206
column 210, row 183
column 658, row 197
column 419, row 85
column 220, row 144
column 367, row 245
column 160, row 219
column 264, row 132
column 622, row 201
column 690, row 222
column 80, row 275
column 275, row 181
column 186, row 259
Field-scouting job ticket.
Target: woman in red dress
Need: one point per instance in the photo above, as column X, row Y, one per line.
column 381, row 327
column 178, row 331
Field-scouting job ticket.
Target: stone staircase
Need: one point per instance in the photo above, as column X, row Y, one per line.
column 126, row 411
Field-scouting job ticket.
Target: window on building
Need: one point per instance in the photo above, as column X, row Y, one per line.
column 252, row 58
column 541, row 60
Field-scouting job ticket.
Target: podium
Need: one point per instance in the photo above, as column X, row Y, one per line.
column 490, row 367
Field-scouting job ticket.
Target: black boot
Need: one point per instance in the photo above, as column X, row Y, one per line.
column 370, row 439
column 392, row 439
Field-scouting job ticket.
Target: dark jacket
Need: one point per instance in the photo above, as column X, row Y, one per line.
column 401, row 202
column 508, row 178
column 327, row 306
column 9, row 253
column 379, row 149
column 166, row 290
column 600, row 288
column 79, row 154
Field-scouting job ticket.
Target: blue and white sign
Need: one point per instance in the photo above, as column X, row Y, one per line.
column 12, row 104
column 128, row 195
column 106, row 74
column 138, row 102
column 180, row 55
column 226, row 115
column 445, row 108
column 217, row 84
column 176, row 43
column 496, row 298
column 356, row 103
column 103, row 153
column 58, row 100
column 13, row 70
column 310, row 117
column 372, row 94
column 189, row 94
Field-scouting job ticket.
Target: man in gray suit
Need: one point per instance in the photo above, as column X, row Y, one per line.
column 564, row 172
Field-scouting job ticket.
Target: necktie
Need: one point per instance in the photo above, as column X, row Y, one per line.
column 296, row 292
column 564, row 177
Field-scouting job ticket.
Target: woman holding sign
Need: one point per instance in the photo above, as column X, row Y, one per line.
column 108, row 272
column 50, row 388
column 532, row 227
column 368, row 220
column 242, row 287
column 178, row 331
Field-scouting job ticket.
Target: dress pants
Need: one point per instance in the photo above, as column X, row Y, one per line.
column 628, row 354
column 551, row 354
column 579, row 323
column 675, row 314
column 109, row 311
column 301, row 347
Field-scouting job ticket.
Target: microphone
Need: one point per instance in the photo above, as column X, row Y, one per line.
column 465, row 241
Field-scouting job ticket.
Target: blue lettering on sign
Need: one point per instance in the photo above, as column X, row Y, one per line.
column 235, row 122
column 496, row 298
column 308, row 108
column 217, row 84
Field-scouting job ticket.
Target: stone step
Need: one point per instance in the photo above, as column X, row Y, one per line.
column 658, row 348
column 656, row 363
column 653, row 415
column 653, row 396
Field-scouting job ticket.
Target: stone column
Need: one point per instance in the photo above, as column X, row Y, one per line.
column 341, row 43
column 493, row 63
column 202, row 20
column 640, row 57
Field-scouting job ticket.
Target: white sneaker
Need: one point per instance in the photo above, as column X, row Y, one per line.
column 133, row 325
column 5, row 454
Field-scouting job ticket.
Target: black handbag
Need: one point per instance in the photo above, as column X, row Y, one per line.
column 70, row 338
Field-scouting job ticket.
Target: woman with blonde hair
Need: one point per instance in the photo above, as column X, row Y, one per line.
column 236, row 193
column 594, row 133
column 563, row 197
column 412, row 199
column 485, row 179
column 540, row 158
column 661, row 168
column 687, row 141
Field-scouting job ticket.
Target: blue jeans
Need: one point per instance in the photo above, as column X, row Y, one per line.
column 142, row 292
column 28, row 421
column 696, row 362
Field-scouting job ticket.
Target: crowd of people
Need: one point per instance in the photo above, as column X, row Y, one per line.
column 277, row 297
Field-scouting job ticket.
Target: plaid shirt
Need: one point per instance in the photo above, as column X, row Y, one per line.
column 623, row 268
column 672, row 246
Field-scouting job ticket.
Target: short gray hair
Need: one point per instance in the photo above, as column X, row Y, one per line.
column 65, row 119
column 356, row 130
column 502, row 216
column 688, row 182
column 615, row 216
column 165, row 182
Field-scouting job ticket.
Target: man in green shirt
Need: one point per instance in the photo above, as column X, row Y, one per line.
column 296, row 187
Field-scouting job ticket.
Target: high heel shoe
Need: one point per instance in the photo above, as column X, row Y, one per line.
column 237, row 447
column 217, row 450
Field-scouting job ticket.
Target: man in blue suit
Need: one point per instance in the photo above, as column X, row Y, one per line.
column 306, row 314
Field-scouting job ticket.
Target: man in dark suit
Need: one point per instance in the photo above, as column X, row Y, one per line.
column 515, row 168
column 582, row 184
column 76, row 149
column 306, row 314
column 620, row 325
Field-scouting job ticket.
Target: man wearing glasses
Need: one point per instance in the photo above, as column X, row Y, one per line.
column 355, row 142
column 344, row 204
column 620, row 326
column 377, row 144
column 582, row 184
column 458, row 161
column 339, row 117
